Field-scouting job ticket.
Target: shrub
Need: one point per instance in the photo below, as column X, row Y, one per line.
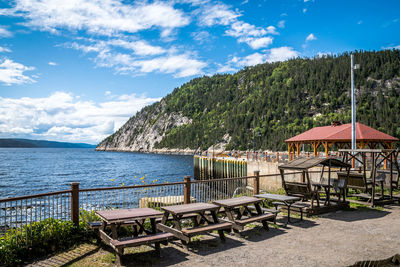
column 39, row 239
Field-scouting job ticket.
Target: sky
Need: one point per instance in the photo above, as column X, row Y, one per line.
column 77, row 70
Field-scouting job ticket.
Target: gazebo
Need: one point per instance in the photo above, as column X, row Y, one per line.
column 339, row 135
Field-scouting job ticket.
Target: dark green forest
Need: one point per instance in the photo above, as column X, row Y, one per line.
column 261, row 106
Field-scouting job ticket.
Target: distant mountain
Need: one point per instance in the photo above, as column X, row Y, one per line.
column 15, row 142
column 261, row 106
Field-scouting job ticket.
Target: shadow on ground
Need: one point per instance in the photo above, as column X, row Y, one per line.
column 358, row 214
column 305, row 223
column 169, row 256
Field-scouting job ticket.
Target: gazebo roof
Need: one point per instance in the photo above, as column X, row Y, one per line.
column 307, row 163
column 342, row 133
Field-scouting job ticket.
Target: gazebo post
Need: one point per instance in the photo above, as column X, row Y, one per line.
column 298, row 149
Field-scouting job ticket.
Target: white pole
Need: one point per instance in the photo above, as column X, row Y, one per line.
column 353, row 106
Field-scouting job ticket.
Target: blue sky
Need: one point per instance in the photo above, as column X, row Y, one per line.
column 76, row 70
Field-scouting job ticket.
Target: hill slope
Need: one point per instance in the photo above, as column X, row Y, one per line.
column 261, row 106
column 27, row 143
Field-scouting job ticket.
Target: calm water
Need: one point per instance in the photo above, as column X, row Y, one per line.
column 26, row 171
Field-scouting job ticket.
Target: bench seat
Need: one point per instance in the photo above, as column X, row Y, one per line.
column 207, row 228
column 257, row 218
column 141, row 240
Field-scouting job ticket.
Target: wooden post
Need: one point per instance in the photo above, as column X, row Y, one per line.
column 186, row 190
column 256, row 182
column 75, row 203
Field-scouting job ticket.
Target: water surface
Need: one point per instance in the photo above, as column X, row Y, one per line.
column 26, row 171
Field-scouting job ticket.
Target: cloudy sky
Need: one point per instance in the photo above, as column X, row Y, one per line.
column 76, row 70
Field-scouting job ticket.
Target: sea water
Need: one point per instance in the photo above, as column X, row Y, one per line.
column 27, row 171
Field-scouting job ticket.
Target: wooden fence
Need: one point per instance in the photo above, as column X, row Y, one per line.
column 19, row 212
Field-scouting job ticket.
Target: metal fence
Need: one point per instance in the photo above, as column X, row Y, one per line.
column 20, row 212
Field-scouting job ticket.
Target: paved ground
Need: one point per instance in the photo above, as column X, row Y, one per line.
column 337, row 239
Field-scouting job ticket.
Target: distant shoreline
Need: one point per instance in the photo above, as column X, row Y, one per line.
column 164, row 151
column 28, row 143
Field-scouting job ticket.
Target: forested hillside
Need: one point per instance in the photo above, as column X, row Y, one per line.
column 261, row 106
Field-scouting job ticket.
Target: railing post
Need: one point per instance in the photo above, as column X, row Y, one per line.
column 256, row 182
column 186, row 190
column 75, row 203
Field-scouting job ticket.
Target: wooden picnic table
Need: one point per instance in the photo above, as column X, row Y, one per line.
column 285, row 200
column 204, row 218
column 135, row 217
column 240, row 213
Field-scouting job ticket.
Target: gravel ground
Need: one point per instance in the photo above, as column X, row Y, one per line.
column 337, row 239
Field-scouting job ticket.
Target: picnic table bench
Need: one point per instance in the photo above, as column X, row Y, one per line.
column 136, row 217
column 239, row 212
column 203, row 223
column 283, row 200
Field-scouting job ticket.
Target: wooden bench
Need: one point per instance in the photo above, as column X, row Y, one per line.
column 257, row 218
column 302, row 190
column 298, row 206
column 207, row 228
column 273, row 211
column 356, row 181
column 141, row 240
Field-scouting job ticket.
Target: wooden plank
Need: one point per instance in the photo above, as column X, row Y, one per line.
column 278, row 197
column 128, row 214
column 238, row 201
column 142, row 240
column 235, row 227
column 175, row 232
column 257, row 218
column 106, row 238
column 274, row 211
column 190, row 208
column 97, row 224
column 207, row 228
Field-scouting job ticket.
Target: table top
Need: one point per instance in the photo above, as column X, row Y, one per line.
column 238, row 201
column 111, row 216
column 189, row 208
column 278, row 197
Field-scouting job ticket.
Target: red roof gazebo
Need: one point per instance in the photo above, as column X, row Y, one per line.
column 339, row 135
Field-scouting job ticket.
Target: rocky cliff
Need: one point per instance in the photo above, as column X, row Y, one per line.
column 142, row 131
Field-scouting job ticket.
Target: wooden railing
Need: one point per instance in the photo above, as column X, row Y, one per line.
column 18, row 212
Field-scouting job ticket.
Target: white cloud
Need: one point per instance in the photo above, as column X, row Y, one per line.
column 52, row 63
column 359, row 22
column 141, row 48
column 304, row 10
column 106, row 17
column 217, row 14
column 311, row 37
column 270, row 55
column 201, row 37
column 323, row 54
column 63, row 117
column 13, row 72
column 281, row 54
column 4, row 49
column 4, row 32
column 272, row 30
column 257, row 43
column 107, row 93
column 180, row 65
column 221, row 14
column 391, row 47
column 281, row 24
